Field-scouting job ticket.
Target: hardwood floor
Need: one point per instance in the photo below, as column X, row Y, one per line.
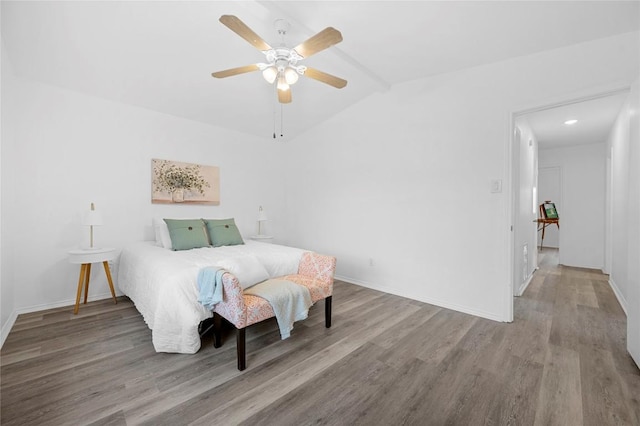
column 386, row 361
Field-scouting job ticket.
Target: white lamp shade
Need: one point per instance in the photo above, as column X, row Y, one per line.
column 270, row 74
column 92, row 218
column 290, row 76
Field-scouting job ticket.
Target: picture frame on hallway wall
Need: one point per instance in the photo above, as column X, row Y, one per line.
column 174, row 182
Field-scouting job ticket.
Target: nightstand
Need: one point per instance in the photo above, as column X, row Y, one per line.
column 85, row 257
column 262, row 238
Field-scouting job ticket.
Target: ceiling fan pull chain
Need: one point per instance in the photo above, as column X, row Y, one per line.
column 274, row 119
column 281, row 121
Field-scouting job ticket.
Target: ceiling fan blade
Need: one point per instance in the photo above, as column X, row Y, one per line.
column 235, row 71
column 323, row 40
column 284, row 96
column 329, row 79
column 237, row 26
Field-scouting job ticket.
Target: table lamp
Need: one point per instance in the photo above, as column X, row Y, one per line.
column 262, row 217
column 92, row 218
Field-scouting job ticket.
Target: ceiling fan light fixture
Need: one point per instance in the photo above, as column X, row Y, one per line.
column 281, row 67
column 282, row 83
column 290, row 76
column 270, row 74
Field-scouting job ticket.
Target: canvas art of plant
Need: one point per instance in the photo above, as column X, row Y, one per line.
column 184, row 183
column 169, row 177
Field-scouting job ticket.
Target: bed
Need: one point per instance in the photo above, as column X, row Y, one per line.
column 162, row 284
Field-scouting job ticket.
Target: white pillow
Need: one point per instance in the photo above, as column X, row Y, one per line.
column 163, row 239
column 248, row 270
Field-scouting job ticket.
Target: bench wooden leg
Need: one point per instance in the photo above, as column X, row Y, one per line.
column 240, row 345
column 217, row 330
column 327, row 311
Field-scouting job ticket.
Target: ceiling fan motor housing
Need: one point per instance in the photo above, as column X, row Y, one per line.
column 282, row 56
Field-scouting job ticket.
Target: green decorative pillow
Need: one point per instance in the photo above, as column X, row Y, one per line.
column 187, row 234
column 223, row 232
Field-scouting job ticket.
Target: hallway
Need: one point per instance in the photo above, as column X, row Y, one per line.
column 588, row 376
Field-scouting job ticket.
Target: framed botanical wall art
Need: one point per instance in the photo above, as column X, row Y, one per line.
column 184, row 183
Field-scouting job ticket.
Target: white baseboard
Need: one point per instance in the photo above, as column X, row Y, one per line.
column 6, row 329
column 619, row 296
column 431, row 301
column 525, row 284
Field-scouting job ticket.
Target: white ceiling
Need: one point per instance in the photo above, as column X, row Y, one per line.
column 160, row 55
column 595, row 120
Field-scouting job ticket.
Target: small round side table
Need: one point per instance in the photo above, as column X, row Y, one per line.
column 262, row 238
column 85, row 257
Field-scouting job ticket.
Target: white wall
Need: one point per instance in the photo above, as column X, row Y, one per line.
column 67, row 150
column 7, row 305
column 402, row 179
column 525, row 238
column 397, row 186
column 624, row 148
column 633, row 226
column 582, row 220
column 618, row 148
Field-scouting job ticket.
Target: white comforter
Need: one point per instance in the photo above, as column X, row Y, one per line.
column 162, row 284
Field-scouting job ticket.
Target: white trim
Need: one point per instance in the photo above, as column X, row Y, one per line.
column 520, row 110
column 619, row 296
column 525, row 284
column 582, row 96
column 436, row 302
column 63, row 303
column 608, row 213
column 511, row 198
column 6, row 329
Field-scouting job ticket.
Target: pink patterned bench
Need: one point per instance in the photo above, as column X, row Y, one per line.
column 315, row 272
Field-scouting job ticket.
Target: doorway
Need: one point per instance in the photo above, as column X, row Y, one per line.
column 539, row 127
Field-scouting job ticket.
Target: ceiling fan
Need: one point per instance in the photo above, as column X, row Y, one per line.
column 282, row 62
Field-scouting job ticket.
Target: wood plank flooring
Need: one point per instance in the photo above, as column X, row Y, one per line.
column 386, row 361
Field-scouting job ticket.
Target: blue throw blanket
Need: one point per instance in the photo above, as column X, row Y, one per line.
column 210, row 286
column 290, row 301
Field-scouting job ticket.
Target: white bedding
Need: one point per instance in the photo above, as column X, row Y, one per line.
column 162, row 284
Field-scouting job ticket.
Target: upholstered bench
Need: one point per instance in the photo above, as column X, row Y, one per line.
column 315, row 272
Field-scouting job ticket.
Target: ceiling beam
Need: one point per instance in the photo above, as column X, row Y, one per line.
column 282, row 13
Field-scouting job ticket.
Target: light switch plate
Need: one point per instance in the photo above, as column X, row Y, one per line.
column 496, row 185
